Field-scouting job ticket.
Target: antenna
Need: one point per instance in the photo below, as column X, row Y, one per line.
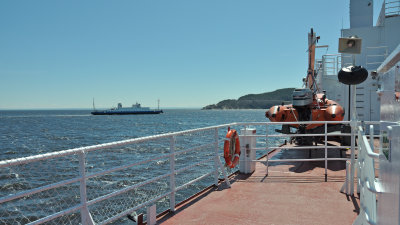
column 94, row 108
column 158, row 104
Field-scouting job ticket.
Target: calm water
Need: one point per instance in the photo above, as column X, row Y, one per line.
column 24, row 133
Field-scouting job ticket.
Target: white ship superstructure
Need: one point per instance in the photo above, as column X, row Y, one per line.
column 135, row 109
column 377, row 43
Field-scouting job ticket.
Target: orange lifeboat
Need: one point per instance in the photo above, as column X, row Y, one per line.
column 282, row 113
column 308, row 104
column 321, row 109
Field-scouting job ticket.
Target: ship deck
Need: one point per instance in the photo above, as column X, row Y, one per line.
column 292, row 193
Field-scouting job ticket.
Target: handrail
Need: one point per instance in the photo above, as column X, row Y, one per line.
column 22, row 160
column 367, row 185
column 376, row 188
column 370, row 153
column 390, row 61
column 392, row 9
column 82, row 180
column 83, row 176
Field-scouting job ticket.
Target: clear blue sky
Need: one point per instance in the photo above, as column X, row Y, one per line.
column 61, row 54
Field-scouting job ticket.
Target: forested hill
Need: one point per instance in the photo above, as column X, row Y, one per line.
column 255, row 101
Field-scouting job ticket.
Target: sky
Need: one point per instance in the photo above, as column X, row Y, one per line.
column 62, row 54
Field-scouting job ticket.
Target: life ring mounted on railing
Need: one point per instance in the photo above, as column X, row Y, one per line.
column 231, row 148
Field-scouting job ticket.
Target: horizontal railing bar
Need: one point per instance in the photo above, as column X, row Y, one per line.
column 124, row 190
column 300, row 147
column 328, row 147
column 299, row 135
column 128, row 211
column 56, row 215
column 372, row 122
column 142, row 162
column 297, row 122
column 145, row 161
column 303, row 160
column 193, row 165
column 331, row 55
column 387, row 3
column 377, row 47
column 11, row 162
column 39, row 189
column 194, row 181
column 195, row 148
column 115, row 169
column 18, row 161
column 375, row 55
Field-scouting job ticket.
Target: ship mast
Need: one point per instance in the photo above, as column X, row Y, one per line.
column 310, row 79
column 94, row 108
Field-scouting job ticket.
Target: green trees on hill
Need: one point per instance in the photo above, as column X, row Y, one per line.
column 255, row 101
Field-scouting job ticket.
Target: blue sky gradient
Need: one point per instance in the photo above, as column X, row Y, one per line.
column 61, row 54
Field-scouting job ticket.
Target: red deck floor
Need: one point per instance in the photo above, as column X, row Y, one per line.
column 295, row 193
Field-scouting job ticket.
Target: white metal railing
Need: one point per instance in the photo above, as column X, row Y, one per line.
column 103, row 183
column 324, row 135
column 392, row 8
column 332, row 63
column 390, row 61
column 375, row 56
column 84, row 183
column 367, row 184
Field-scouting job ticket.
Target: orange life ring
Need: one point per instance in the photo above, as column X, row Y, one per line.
column 231, row 149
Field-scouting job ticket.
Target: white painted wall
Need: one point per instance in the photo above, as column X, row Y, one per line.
column 361, row 13
column 377, row 43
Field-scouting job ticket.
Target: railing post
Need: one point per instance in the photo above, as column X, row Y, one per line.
column 218, row 161
column 359, row 160
column 86, row 218
column 267, row 145
column 345, row 186
column 326, row 151
column 347, row 176
column 172, row 174
column 152, row 215
column 216, row 173
column 353, row 125
column 371, row 142
column 371, row 136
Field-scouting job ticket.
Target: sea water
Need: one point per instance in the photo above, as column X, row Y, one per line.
column 32, row 132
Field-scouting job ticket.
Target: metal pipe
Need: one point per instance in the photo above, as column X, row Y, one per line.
column 266, row 143
column 172, row 174
column 326, row 153
column 86, row 218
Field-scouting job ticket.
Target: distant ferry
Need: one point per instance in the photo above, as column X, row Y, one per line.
column 135, row 109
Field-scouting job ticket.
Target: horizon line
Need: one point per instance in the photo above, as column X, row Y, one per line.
column 9, row 109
